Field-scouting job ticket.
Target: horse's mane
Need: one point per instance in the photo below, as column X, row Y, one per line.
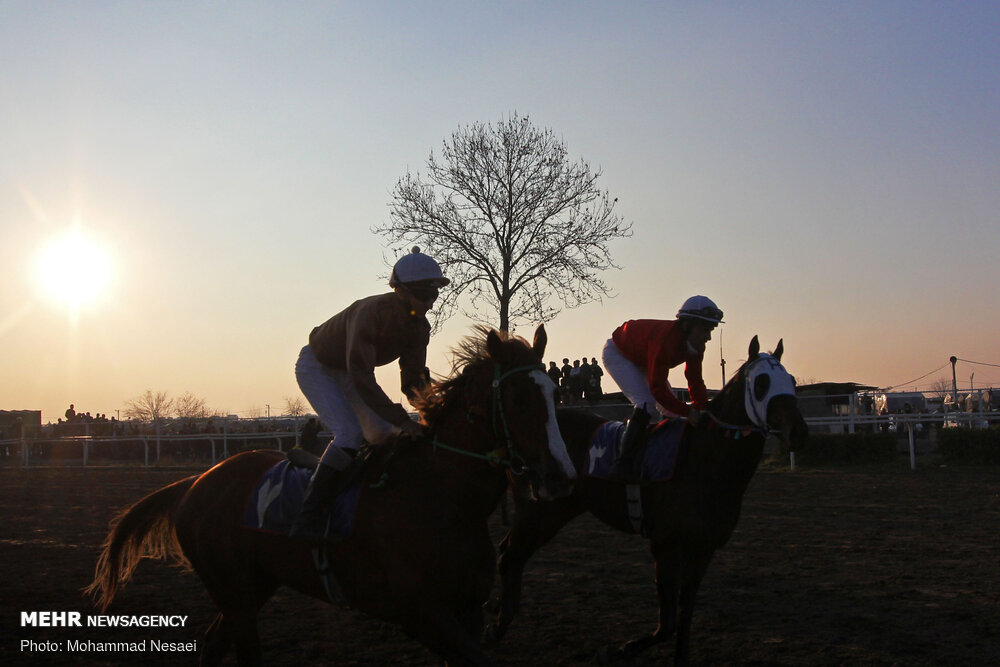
column 468, row 356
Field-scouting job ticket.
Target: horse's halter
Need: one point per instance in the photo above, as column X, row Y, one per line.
column 514, row 461
column 765, row 378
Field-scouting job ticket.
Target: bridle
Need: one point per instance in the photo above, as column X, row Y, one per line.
column 506, row 455
column 779, row 384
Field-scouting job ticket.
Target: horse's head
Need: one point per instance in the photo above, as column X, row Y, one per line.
column 524, row 415
column 502, row 398
column 768, row 390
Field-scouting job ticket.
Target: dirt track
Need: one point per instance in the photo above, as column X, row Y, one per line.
column 883, row 567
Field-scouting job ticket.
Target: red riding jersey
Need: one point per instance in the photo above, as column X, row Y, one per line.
column 658, row 346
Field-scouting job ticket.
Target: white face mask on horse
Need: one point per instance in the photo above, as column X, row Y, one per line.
column 766, row 378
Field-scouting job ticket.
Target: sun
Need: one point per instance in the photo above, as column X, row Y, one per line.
column 74, row 270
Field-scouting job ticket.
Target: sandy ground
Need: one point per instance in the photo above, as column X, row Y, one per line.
column 827, row 567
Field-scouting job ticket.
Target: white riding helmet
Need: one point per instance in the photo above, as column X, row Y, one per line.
column 416, row 267
column 701, row 308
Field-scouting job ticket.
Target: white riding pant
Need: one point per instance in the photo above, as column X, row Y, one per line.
column 632, row 381
column 333, row 396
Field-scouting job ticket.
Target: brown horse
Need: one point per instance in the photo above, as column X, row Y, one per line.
column 686, row 518
column 420, row 555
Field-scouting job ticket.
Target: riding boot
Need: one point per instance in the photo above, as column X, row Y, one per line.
column 311, row 523
column 624, row 466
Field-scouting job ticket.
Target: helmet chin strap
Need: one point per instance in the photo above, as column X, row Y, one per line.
column 781, row 384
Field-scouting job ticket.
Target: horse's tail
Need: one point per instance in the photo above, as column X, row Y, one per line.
column 144, row 530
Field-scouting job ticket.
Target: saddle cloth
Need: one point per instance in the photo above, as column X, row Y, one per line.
column 276, row 498
column 659, row 456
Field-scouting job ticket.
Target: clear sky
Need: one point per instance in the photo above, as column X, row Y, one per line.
column 827, row 172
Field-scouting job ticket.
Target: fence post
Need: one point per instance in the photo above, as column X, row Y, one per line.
column 913, row 449
column 851, row 412
column 86, row 452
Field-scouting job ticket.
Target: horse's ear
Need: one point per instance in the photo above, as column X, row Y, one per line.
column 754, row 349
column 778, row 351
column 541, row 339
column 495, row 346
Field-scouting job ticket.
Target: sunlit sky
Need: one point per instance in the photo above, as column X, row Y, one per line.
column 829, row 173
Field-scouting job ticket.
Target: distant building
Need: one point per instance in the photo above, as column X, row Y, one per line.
column 835, row 399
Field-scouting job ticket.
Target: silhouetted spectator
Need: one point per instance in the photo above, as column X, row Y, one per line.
column 556, row 376
column 309, row 438
column 576, row 381
column 593, row 390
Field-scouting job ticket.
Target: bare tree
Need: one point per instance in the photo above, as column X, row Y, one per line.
column 295, row 406
column 941, row 388
column 511, row 221
column 149, row 406
column 189, row 406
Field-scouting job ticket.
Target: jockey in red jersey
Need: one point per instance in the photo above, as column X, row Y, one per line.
column 638, row 357
column 336, row 372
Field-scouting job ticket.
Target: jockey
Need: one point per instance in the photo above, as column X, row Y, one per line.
column 336, row 372
column 638, row 357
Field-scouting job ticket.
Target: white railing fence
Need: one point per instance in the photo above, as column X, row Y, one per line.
column 196, row 449
column 201, row 449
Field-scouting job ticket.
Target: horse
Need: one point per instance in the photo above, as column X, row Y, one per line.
column 420, row 555
column 686, row 518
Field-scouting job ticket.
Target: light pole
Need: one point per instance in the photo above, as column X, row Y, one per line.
column 954, row 381
column 722, row 359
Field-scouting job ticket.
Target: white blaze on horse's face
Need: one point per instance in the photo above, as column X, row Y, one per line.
column 765, row 379
column 556, row 445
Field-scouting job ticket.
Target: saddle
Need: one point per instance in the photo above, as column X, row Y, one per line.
column 302, row 458
column 277, row 496
column 656, row 455
column 306, row 460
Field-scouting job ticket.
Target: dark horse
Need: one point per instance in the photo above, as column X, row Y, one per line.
column 420, row 555
column 686, row 518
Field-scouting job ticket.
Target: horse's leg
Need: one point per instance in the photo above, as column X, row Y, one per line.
column 668, row 573
column 446, row 634
column 694, row 568
column 217, row 643
column 246, row 636
column 236, row 623
column 534, row 525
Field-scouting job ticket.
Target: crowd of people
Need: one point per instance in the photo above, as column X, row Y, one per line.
column 74, row 417
column 578, row 382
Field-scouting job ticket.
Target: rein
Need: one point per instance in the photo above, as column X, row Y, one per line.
column 735, row 431
column 514, row 461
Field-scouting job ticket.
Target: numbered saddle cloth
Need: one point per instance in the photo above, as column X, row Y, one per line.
column 658, row 455
column 276, row 498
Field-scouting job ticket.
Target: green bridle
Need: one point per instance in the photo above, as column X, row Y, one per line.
column 513, row 461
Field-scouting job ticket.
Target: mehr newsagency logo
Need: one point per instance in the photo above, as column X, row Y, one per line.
column 75, row 619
